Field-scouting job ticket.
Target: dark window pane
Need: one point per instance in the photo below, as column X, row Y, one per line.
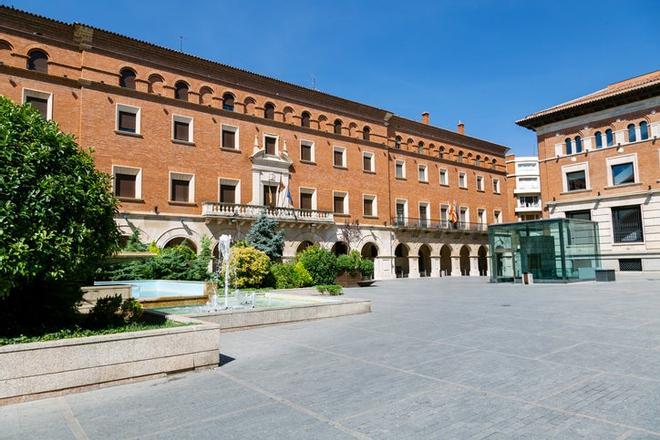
column 38, row 61
column 569, row 146
column 576, row 181
column 181, row 91
column 228, row 139
column 631, row 133
column 609, row 137
column 127, row 122
column 368, row 207
column 228, row 102
column 305, row 200
column 339, row 158
column 127, row 79
column 578, row 144
column 339, row 204
column 227, row 193
column 40, row 104
column 305, row 120
column 270, row 145
column 643, row 130
column 180, row 190
column 581, row 215
column 181, row 132
column 627, row 224
column 337, row 127
column 366, row 133
column 269, row 111
column 623, row 173
column 366, row 163
column 306, row 152
column 599, row 139
column 125, row 185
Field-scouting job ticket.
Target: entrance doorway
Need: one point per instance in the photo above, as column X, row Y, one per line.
column 465, row 261
column 424, row 261
column 401, row 264
column 445, row 260
column 483, row 261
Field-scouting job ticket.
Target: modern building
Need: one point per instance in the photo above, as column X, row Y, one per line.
column 198, row 148
column 599, row 159
column 525, row 187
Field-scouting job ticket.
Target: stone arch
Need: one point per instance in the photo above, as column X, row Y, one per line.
column 369, row 251
column 248, row 105
column 181, row 241
column 206, row 95
column 464, row 259
column 180, row 232
column 181, row 90
column 6, row 45
column 322, row 119
column 351, row 128
column 339, row 248
column 303, row 245
column 424, row 260
column 401, row 261
column 37, row 60
column 156, row 84
column 482, row 259
column 287, row 115
column 445, row 259
column 127, row 76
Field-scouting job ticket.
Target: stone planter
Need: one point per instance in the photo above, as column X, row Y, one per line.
column 348, row 279
column 42, row 369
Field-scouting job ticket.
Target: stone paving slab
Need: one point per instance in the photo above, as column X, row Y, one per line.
column 449, row 358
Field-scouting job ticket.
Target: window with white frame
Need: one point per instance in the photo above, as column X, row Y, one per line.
column 422, row 173
column 462, row 180
column 307, row 198
column 368, row 162
column 182, row 187
column 496, row 186
column 481, row 217
column 401, row 212
column 575, row 177
column 340, row 202
column 307, row 151
column 464, row 216
column 182, row 128
column 339, row 157
column 480, row 183
column 400, row 169
column 423, row 211
column 622, row 170
column 369, row 206
column 444, row 215
column 230, row 191
column 497, row 216
column 128, row 119
column 229, row 137
column 42, row 101
column 270, row 144
column 127, row 182
column 444, row 179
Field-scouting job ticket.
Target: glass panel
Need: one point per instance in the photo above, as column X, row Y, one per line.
column 127, row 122
column 643, row 130
column 229, row 139
column 627, row 224
column 623, row 173
column 305, row 200
column 180, row 190
column 609, row 137
column 125, row 185
column 599, row 139
column 631, row 133
column 576, row 180
column 40, row 104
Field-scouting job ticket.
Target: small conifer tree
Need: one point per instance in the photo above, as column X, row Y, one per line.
column 266, row 236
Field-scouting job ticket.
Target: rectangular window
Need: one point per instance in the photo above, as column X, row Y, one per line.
column 128, row 119
column 182, row 128
column 270, row 145
column 444, row 216
column 339, row 157
column 627, row 224
column 229, row 137
column 401, row 212
column 464, row 217
column 339, row 204
column 496, row 186
column 497, row 216
column 400, row 169
column 480, row 183
column 270, row 195
column 423, row 214
column 181, row 187
column 307, row 151
column 368, row 162
column 623, row 173
column 128, row 182
column 580, row 215
column 228, row 192
column 422, row 173
column 306, row 199
column 40, row 100
column 462, row 180
column 369, row 206
column 576, row 180
column 443, row 177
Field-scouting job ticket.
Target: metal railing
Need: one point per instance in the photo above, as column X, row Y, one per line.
column 628, row 232
column 435, row 224
column 235, row 210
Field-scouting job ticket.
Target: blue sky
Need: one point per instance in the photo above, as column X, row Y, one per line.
column 486, row 63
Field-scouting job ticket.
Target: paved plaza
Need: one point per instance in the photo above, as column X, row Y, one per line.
column 449, row 358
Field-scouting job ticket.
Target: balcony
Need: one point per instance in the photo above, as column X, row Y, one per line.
column 437, row 225
column 234, row 211
column 529, row 206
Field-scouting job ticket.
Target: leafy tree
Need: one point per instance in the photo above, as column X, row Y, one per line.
column 248, row 267
column 134, row 244
column 320, row 263
column 266, row 236
column 56, row 220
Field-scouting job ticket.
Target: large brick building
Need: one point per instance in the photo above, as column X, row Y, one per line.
column 199, row 148
column 600, row 160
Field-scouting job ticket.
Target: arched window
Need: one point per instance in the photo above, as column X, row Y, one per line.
column 181, row 90
column 127, row 78
column 643, row 130
column 155, row 83
column 494, row 164
column 337, row 126
column 205, row 95
column 477, row 161
column 269, row 111
column 228, row 102
column 366, row 133
column 459, row 157
column 305, row 119
column 397, row 143
column 441, row 152
column 420, row 147
column 632, row 137
column 578, row 144
column 37, row 60
column 609, row 137
column 569, row 146
column 599, row 139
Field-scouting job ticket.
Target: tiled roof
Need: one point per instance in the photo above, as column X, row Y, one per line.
column 627, row 86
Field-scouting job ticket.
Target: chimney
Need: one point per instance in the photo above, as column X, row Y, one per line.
column 425, row 118
column 460, row 127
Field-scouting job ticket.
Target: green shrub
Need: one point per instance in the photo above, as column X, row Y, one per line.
column 349, row 263
column 320, row 263
column 134, row 244
column 131, row 310
column 367, row 268
column 104, row 313
column 248, row 266
column 290, row 275
column 330, row 289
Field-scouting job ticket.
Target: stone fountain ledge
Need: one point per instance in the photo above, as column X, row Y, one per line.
column 315, row 308
column 44, row 369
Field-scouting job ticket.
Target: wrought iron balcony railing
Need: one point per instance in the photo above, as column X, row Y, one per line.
column 237, row 211
column 435, row 224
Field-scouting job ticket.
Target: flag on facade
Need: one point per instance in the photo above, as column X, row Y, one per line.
column 453, row 217
column 288, row 197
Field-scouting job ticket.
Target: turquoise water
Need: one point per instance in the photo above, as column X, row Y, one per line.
column 260, row 302
column 160, row 288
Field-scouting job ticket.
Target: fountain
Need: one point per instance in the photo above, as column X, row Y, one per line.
column 248, row 300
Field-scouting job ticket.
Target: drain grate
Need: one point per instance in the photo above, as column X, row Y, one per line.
column 505, row 305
